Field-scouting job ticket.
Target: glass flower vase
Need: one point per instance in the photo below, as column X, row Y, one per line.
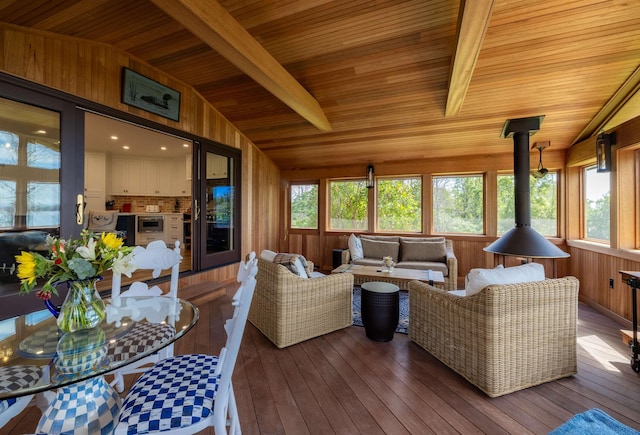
column 83, row 308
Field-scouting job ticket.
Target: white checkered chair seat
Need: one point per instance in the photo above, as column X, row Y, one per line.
column 176, row 393
column 185, row 394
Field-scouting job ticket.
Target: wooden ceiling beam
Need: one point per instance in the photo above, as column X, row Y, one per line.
column 208, row 20
column 473, row 21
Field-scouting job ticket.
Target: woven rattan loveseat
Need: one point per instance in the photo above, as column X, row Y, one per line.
column 504, row 338
column 289, row 309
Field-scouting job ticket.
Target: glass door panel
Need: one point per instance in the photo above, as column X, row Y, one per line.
column 218, row 223
column 30, row 188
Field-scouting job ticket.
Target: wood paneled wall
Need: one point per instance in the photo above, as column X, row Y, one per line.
column 92, row 71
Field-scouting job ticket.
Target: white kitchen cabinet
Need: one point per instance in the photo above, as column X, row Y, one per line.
column 149, row 177
column 173, row 228
column 143, row 239
column 181, row 183
column 157, row 176
column 94, row 173
column 94, row 181
column 166, row 177
column 216, row 166
column 126, row 176
column 188, row 166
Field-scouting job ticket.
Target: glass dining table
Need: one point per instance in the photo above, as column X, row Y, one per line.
column 68, row 369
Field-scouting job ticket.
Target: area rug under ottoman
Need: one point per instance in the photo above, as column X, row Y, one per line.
column 593, row 421
column 403, row 322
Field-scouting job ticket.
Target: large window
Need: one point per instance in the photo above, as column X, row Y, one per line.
column 304, row 206
column 348, row 205
column 544, row 204
column 399, row 204
column 458, row 204
column 597, row 217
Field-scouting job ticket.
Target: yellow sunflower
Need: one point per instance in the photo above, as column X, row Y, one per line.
column 26, row 267
column 111, row 241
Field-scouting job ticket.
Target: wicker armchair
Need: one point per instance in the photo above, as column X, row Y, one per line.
column 288, row 309
column 504, row 338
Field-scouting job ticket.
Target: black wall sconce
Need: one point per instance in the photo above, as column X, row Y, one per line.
column 370, row 181
column 604, row 142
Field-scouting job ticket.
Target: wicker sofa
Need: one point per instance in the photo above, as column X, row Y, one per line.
column 289, row 309
column 409, row 253
column 504, row 338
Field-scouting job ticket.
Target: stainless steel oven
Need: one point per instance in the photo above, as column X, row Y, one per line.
column 150, row 224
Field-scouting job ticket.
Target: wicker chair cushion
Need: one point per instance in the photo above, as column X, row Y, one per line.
column 480, row 278
column 378, row 249
column 435, row 251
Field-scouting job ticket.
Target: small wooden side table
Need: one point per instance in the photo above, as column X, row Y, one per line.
column 380, row 305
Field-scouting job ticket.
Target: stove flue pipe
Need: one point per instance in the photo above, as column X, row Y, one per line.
column 523, row 241
column 522, row 190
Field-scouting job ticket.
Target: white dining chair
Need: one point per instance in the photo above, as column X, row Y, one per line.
column 156, row 256
column 185, row 394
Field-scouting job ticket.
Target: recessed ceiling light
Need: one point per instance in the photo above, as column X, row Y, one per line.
column 114, row 137
column 126, row 147
column 186, row 145
column 39, row 132
column 163, row 148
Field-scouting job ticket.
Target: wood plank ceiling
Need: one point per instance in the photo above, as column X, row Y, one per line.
column 319, row 83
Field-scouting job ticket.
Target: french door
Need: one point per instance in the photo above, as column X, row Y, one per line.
column 41, row 173
column 217, row 204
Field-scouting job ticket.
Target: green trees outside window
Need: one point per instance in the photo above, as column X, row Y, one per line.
column 544, row 204
column 399, row 204
column 597, row 205
column 458, row 204
column 348, row 205
column 304, row 206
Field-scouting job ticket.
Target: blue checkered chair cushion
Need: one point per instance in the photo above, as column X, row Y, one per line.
column 15, row 378
column 176, row 392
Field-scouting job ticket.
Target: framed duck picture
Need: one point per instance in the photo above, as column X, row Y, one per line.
column 147, row 94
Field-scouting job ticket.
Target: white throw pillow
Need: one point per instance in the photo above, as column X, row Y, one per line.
column 466, row 278
column 355, row 247
column 268, row 255
column 480, row 278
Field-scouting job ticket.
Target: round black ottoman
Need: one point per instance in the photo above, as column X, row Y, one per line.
column 380, row 307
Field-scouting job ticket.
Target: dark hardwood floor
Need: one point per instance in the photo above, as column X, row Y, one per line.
column 344, row 383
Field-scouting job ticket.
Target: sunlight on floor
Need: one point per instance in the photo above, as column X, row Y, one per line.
column 602, row 352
